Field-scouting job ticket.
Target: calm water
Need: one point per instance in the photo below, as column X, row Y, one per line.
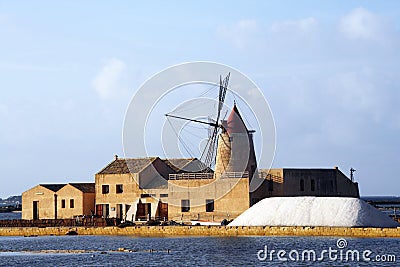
column 10, row 215
column 200, row 251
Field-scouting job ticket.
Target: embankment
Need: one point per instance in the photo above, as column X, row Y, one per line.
column 171, row 231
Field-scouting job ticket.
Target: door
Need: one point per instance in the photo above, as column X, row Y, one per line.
column 35, row 210
column 162, row 211
column 106, row 210
column 143, row 211
column 99, row 210
column 119, row 211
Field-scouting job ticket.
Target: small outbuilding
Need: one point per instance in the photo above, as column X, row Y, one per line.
column 58, row 201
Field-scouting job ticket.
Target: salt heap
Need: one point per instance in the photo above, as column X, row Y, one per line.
column 313, row 211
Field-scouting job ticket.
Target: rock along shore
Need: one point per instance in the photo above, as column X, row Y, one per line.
column 179, row 231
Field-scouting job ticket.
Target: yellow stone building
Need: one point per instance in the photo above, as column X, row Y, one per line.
column 58, row 201
column 185, row 189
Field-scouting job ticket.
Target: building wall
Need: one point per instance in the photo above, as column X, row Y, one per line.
column 345, row 186
column 89, row 203
column 327, row 182
column 269, row 183
column 68, row 193
column 129, row 196
column 230, row 197
column 235, row 153
column 46, row 204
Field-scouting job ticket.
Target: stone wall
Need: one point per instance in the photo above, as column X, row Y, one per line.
column 46, row 203
column 166, row 231
column 229, row 195
column 67, row 194
column 129, row 196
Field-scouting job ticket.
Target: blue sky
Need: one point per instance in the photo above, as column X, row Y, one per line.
column 330, row 71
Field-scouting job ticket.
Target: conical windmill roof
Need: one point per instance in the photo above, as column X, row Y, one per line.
column 235, row 123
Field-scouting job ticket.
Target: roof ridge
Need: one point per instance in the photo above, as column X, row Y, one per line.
column 144, row 167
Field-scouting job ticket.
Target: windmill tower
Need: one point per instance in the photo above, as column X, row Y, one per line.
column 235, row 151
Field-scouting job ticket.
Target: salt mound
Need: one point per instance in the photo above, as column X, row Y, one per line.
column 313, row 211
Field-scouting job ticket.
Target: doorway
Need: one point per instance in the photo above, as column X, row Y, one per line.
column 119, row 211
column 36, row 210
column 143, row 211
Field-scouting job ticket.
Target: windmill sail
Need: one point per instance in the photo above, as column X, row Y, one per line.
column 211, row 147
column 208, row 155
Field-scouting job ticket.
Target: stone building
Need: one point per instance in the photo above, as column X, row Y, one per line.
column 75, row 199
column 225, row 193
column 40, row 202
column 185, row 189
column 133, row 188
column 138, row 188
column 180, row 189
column 237, row 184
column 288, row 182
column 58, row 201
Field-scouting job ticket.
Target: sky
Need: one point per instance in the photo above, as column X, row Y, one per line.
column 330, row 71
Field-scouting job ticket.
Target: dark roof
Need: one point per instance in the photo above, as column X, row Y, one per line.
column 53, row 187
column 186, row 165
column 84, row 187
column 157, row 183
column 122, row 166
column 178, row 164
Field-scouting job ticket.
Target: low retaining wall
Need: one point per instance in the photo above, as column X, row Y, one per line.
column 168, row 231
column 59, row 222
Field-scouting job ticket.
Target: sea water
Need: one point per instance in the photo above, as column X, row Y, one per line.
column 196, row 251
column 10, row 215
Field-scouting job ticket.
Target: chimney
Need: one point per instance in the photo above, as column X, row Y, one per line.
column 116, row 157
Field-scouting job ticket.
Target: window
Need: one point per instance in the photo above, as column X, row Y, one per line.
column 301, row 185
column 63, row 203
column 119, row 188
column 312, row 185
column 209, row 205
column 270, row 185
column 71, row 203
column 105, row 189
column 185, row 205
column 163, row 195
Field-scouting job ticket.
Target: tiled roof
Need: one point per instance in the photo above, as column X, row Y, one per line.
column 53, row 187
column 84, row 187
column 122, row 166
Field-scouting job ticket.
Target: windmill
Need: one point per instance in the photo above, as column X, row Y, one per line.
column 209, row 152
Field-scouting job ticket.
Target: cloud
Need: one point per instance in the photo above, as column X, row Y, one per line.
column 241, row 33
column 263, row 39
column 107, row 82
column 301, row 25
column 360, row 24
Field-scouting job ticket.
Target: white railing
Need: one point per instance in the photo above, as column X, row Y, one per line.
column 235, row 175
column 191, row 175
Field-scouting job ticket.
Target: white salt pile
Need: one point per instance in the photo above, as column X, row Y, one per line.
column 313, row 211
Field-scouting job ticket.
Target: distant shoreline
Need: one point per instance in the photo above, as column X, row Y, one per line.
column 217, row 231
